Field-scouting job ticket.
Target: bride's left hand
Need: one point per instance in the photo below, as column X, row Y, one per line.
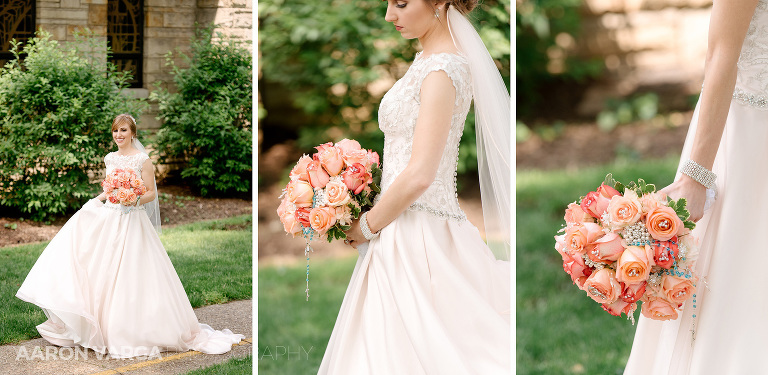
column 354, row 235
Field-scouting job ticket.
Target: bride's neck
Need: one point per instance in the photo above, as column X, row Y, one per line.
column 437, row 40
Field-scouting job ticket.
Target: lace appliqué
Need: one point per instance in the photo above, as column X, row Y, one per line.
column 398, row 112
column 113, row 161
column 752, row 79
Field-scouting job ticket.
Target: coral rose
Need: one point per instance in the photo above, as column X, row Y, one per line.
column 302, row 216
column 663, row 223
column 620, row 306
column 602, row 286
column 318, row 177
column 331, row 159
column 677, row 289
column 574, row 215
column 322, row 218
column 580, row 237
column 575, row 267
column 624, row 210
column 299, row 171
column 356, row 178
column 337, row 194
column 665, row 252
column 112, row 199
column 596, row 202
column 658, row 309
column 300, row 193
column 607, row 249
column 634, row 264
column 632, row 292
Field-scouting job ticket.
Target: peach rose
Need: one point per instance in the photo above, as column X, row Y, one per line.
column 122, row 195
column 318, row 177
column 130, row 199
column 580, row 237
column 288, row 217
column 348, row 145
column 596, row 202
column 124, row 177
column 299, row 171
column 356, row 156
column 665, row 252
column 574, row 214
column 631, row 293
column 337, row 193
column 136, row 183
column 624, row 210
column 602, row 286
column 663, row 223
column 356, row 178
column 677, row 289
column 634, row 264
column 302, row 216
column 300, row 193
column 323, row 146
column 331, row 159
column 116, row 184
column 658, row 309
column 322, row 218
column 575, row 267
column 283, row 207
column 620, row 306
column 607, row 249
column 107, row 186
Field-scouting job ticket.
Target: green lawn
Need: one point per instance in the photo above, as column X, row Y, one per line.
column 293, row 333
column 212, row 258
column 233, row 366
column 559, row 329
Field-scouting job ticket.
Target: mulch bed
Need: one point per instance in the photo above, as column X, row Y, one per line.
column 178, row 206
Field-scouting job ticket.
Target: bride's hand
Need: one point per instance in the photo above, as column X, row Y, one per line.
column 694, row 193
column 354, row 235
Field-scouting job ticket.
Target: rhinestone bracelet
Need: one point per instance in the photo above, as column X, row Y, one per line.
column 699, row 174
column 365, row 229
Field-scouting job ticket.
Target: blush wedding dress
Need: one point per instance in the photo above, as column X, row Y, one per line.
column 427, row 296
column 106, row 283
column 730, row 316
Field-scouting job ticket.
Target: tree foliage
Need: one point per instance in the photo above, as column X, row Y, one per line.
column 56, row 110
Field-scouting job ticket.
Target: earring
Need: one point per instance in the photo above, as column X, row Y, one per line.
column 437, row 13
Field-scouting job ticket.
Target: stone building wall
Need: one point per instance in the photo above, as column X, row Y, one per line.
column 657, row 45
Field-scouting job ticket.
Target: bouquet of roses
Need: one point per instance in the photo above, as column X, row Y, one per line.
column 123, row 186
column 623, row 244
column 328, row 190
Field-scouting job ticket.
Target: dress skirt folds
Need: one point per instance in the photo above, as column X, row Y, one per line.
column 105, row 282
column 426, row 297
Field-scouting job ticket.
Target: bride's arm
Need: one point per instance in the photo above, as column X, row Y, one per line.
column 430, row 135
column 148, row 176
column 728, row 26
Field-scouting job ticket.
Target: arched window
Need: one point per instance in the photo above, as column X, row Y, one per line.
column 125, row 34
column 17, row 21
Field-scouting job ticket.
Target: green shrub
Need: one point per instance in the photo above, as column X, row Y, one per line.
column 56, row 109
column 323, row 58
column 207, row 123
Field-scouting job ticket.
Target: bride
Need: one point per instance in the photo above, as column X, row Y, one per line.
column 427, row 295
column 724, row 330
column 105, row 281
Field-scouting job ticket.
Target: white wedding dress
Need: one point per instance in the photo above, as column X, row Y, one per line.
column 106, row 283
column 427, row 296
column 731, row 321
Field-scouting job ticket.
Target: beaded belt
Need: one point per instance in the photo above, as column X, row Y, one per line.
column 439, row 213
column 120, row 207
column 753, row 100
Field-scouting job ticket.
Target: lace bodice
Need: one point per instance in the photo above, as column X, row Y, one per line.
column 752, row 78
column 397, row 119
column 114, row 160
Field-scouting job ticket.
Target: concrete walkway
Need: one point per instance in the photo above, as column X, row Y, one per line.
column 38, row 357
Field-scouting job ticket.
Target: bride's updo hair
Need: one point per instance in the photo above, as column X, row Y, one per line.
column 124, row 119
column 463, row 6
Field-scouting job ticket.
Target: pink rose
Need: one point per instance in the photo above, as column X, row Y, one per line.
column 323, row 146
column 580, row 237
column 624, row 210
column 373, row 158
column 663, row 223
column 607, row 249
column 107, row 186
column 635, row 264
column 337, row 193
column 665, row 252
column 575, row 267
column 299, row 171
column 331, row 159
column 677, row 289
column 602, row 286
column 322, row 218
column 300, row 193
column 619, row 307
column 356, row 178
column 574, row 214
column 658, row 309
column 302, row 216
column 356, row 156
column 347, row 145
column 318, row 177
column 596, row 202
column 631, row 293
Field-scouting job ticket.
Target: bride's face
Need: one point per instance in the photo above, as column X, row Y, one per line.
column 412, row 18
column 122, row 135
